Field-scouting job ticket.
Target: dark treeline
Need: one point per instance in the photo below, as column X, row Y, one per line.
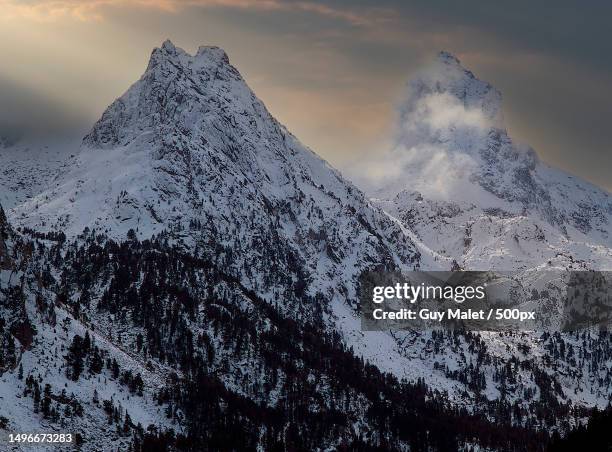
column 596, row 436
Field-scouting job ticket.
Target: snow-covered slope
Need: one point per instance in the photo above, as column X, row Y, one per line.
column 470, row 193
column 31, row 165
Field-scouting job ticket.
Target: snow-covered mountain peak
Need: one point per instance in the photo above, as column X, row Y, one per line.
column 448, row 58
column 206, row 58
column 173, row 83
column 212, row 52
column 451, row 134
column 189, row 150
column 446, row 77
column 205, row 55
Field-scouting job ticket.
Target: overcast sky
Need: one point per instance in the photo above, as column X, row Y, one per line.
column 332, row 71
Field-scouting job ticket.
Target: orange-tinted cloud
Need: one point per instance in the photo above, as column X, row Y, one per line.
column 86, row 10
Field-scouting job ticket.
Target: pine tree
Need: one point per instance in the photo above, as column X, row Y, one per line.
column 86, row 343
column 10, row 358
column 127, row 424
column 95, row 363
column 75, row 358
column 115, row 369
column 46, row 401
column 36, row 397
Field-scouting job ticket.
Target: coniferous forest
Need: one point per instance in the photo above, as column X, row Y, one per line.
column 245, row 375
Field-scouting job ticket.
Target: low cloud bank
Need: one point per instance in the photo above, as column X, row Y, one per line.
column 441, row 126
